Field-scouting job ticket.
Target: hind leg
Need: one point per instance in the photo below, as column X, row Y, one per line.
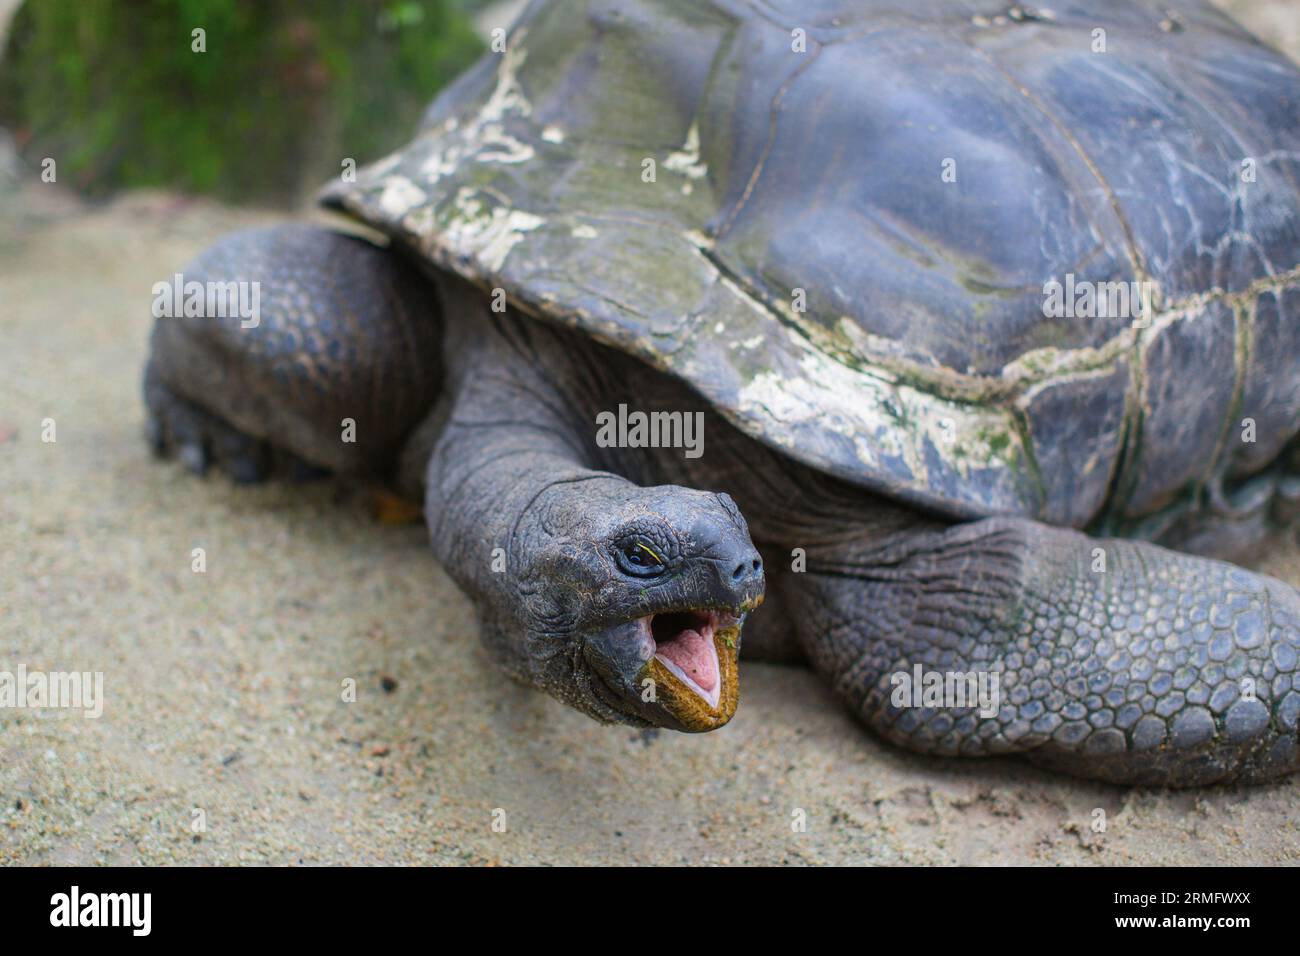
column 333, row 361
column 1111, row 659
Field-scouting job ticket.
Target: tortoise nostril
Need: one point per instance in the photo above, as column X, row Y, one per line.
column 757, row 565
column 746, row 569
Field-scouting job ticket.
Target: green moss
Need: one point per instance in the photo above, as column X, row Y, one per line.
column 114, row 91
column 998, row 443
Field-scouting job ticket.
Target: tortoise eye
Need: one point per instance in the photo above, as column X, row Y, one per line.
column 640, row 559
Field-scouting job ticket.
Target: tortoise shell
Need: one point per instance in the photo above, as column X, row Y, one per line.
column 861, row 230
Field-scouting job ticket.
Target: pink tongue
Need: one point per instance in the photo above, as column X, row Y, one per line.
column 693, row 653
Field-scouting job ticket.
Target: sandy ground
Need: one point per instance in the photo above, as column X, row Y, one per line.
column 224, row 689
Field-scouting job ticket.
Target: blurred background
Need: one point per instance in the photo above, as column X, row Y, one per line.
column 282, row 91
column 259, row 108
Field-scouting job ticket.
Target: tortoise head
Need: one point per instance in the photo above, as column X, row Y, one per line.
column 632, row 602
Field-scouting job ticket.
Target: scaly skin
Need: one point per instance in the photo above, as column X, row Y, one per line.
column 1134, row 673
column 1138, row 673
column 345, row 331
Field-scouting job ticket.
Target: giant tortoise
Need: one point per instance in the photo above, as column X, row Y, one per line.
column 963, row 338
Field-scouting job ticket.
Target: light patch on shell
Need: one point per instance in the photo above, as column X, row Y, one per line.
column 908, row 418
column 770, row 393
column 848, row 401
column 552, row 133
column 399, row 195
column 962, row 437
column 1027, row 398
column 686, row 161
column 442, row 162
column 878, row 418
column 583, row 231
column 508, row 95
column 500, row 147
column 484, row 137
column 507, row 150
column 488, row 234
column 864, row 343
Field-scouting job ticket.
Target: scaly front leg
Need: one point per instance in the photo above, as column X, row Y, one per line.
column 1113, row 659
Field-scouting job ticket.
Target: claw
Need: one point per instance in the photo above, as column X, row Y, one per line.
column 194, row 457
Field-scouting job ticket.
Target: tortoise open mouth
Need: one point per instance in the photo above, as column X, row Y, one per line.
column 678, row 667
column 693, row 665
column 684, row 643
